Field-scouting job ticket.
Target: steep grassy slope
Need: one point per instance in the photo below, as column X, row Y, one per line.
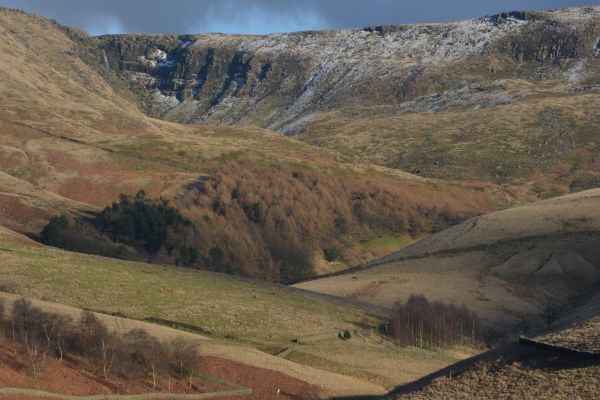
column 545, row 141
column 523, row 110
column 71, row 127
column 27, row 207
column 508, row 266
column 506, row 98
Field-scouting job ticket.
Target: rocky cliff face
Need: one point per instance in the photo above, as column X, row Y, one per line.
column 280, row 81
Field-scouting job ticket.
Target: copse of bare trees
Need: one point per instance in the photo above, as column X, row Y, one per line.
column 37, row 336
column 422, row 323
column 254, row 220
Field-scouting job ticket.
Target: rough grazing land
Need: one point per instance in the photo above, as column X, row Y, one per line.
column 519, row 373
column 584, row 337
column 241, row 363
column 508, row 266
column 217, row 305
column 236, row 314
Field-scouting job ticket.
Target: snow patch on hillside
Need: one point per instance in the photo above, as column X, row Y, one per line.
column 350, row 55
column 158, row 55
column 575, row 15
column 164, row 100
column 157, row 59
column 324, row 66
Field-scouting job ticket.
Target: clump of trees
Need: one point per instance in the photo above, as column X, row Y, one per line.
column 52, row 232
column 136, row 227
column 36, row 336
column 423, row 323
column 140, row 221
column 269, row 221
column 261, row 221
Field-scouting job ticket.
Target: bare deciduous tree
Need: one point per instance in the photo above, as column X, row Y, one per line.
column 39, row 336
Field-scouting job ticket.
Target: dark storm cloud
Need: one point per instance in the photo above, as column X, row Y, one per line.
column 263, row 16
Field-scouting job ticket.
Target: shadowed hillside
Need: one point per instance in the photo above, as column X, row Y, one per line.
column 514, row 371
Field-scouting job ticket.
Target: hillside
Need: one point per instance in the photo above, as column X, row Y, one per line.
column 512, row 267
column 74, row 139
column 258, row 161
column 561, row 363
column 220, row 358
column 513, row 372
column 504, row 98
column 245, row 321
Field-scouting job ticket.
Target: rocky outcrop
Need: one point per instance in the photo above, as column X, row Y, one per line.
column 279, row 81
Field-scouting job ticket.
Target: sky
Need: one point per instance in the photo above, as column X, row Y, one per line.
column 99, row 17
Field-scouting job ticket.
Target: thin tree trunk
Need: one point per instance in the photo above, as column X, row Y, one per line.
column 154, row 377
column 32, row 351
column 13, row 337
column 107, row 360
column 190, row 377
column 59, row 346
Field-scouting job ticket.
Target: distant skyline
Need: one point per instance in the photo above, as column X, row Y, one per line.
column 263, row 16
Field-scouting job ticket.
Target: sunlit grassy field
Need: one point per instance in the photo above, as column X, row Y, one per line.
column 219, row 306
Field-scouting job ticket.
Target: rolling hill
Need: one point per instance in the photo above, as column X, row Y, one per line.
column 486, row 114
column 73, row 139
column 510, row 266
column 508, row 98
column 246, row 321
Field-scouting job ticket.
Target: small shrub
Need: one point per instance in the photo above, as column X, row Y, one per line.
column 332, row 254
